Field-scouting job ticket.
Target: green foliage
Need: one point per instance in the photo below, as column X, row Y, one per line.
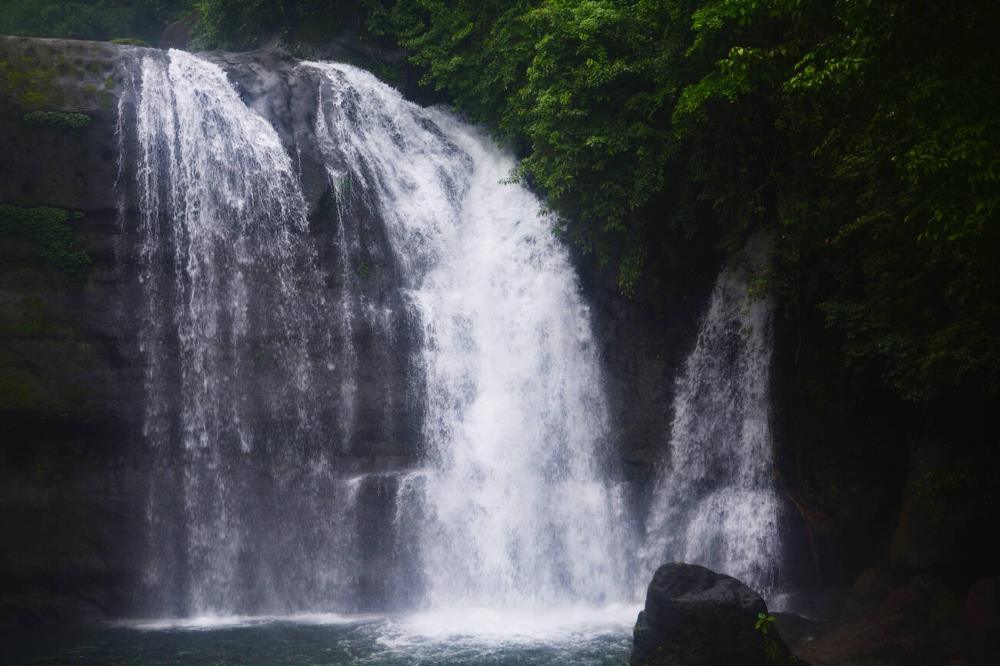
column 90, row 19
column 237, row 24
column 773, row 647
column 50, row 230
column 764, row 623
column 895, row 234
column 583, row 88
column 56, row 119
column 244, row 24
column 862, row 132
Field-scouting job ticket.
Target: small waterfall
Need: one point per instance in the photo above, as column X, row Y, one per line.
column 517, row 505
column 715, row 502
column 245, row 511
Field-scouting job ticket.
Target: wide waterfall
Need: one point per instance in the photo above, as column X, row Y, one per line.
column 339, row 423
column 263, row 349
column 715, row 502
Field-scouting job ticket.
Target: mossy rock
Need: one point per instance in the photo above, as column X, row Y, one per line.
column 26, row 318
column 46, row 358
column 31, row 83
column 54, row 74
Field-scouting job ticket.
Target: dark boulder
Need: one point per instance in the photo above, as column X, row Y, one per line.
column 694, row 616
column 178, row 34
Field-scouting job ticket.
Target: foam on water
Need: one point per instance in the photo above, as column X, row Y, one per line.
column 512, row 625
column 210, row 622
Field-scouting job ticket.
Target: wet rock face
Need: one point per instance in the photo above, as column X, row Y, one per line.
column 694, row 616
column 272, row 83
column 68, row 382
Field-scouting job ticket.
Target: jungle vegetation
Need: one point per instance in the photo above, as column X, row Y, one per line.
column 862, row 135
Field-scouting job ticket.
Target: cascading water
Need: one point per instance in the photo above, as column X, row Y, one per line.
column 715, row 503
column 244, row 510
column 371, row 385
column 266, row 359
column 516, row 506
column 259, row 397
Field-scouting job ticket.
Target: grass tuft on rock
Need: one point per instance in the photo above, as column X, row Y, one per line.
column 56, row 119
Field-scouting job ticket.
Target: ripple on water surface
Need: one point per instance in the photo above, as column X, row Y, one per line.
column 570, row 635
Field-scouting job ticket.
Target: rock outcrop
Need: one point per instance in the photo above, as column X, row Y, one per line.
column 68, row 385
column 694, row 616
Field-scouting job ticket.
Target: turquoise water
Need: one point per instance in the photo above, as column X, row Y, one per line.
column 572, row 636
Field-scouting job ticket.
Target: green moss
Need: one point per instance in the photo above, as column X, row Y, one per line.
column 106, row 100
column 19, row 391
column 33, row 319
column 49, row 228
column 51, row 81
column 27, row 318
column 44, row 356
column 130, row 41
column 30, row 82
column 56, row 119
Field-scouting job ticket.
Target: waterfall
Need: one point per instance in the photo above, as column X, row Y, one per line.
column 516, row 506
column 715, row 502
column 244, row 511
column 293, row 360
column 277, row 357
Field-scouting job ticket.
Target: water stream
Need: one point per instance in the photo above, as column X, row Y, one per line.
column 716, row 502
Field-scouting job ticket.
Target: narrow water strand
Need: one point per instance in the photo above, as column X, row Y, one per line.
column 715, row 502
column 237, row 361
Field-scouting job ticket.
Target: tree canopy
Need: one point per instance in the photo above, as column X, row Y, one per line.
column 862, row 135
column 90, row 19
